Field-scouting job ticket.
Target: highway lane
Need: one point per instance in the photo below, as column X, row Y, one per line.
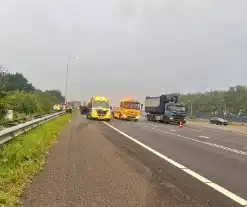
column 93, row 164
column 224, row 167
column 234, row 129
column 219, row 137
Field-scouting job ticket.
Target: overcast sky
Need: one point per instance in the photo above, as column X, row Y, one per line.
column 126, row 47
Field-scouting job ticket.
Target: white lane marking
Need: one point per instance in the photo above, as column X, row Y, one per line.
column 161, row 125
column 245, row 147
column 195, row 140
column 204, row 180
column 205, row 137
column 217, row 129
column 195, row 129
column 155, row 126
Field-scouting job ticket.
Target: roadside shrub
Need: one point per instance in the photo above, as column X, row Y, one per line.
column 45, row 101
column 22, row 102
column 192, row 117
column 3, row 111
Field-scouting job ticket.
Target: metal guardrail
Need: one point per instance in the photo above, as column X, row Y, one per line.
column 15, row 122
column 11, row 132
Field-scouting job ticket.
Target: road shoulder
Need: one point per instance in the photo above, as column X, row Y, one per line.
column 85, row 168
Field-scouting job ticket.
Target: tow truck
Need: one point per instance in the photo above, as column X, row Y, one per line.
column 129, row 110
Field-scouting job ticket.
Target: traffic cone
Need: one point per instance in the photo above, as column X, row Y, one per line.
column 180, row 124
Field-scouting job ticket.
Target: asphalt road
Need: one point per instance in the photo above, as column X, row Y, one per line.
column 235, row 129
column 125, row 163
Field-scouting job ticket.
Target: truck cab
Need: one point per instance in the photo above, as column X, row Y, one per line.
column 165, row 108
column 129, row 110
column 175, row 112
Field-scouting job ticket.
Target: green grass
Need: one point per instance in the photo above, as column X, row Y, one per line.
column 24, row 156
column 191, row 117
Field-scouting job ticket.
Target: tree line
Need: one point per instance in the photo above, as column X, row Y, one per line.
column 228, row 102
column 19, row 95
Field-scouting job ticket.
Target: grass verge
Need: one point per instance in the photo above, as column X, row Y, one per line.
column 24, row 156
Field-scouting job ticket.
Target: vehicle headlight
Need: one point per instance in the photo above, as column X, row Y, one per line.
column 137, row 117
column 171, row 117
column 93, row 110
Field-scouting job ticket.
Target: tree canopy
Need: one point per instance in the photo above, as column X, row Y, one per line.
column 18, row 94
column 18, row 82
column 231, row 101
column 3, row 81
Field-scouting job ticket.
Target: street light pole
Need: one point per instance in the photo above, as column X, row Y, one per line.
column 190, row 108
column 66, row 84
column 224, row 108
column 67, row 74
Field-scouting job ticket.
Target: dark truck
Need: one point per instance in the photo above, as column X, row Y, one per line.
column 166, row 109
column 83, row 109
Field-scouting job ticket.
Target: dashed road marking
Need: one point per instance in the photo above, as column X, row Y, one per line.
column 205, row 137
column 196, row 130
column 204, row 180
column 227, row 130
column 202, row 142
column 173, row 130
column 155, row 126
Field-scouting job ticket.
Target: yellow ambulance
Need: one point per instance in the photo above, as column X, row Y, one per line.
column 99, row 108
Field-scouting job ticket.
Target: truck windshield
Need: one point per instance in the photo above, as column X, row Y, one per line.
column 177, row 108
column 128, row 105
column 102, row 104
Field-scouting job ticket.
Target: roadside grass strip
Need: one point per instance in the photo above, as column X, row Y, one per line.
column 24, row 156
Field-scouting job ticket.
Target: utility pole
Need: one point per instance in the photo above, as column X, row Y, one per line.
column 191, row 110
column 67, row 74
column 224, row 108
column 66, row 84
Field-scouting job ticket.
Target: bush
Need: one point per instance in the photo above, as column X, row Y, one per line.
column 45, row 101
column 17, row 94
column 27, row 103
column 3, row 111
column 192, row 117
column 22, row 102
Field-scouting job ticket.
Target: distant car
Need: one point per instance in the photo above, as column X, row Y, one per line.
column 218, row 121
